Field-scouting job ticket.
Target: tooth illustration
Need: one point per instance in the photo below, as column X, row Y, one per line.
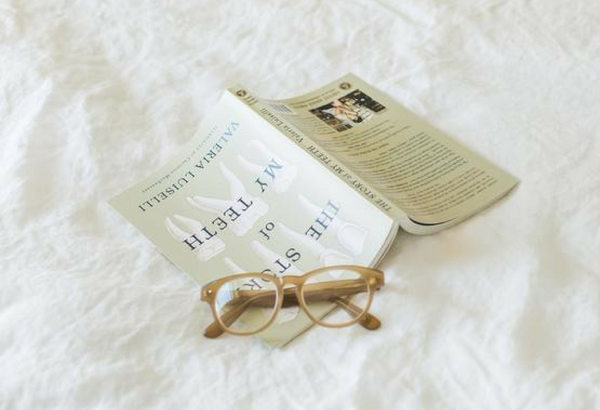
column 213, row 205
column 283, row 176
column 351, row 236
column 246, row 220
column 327, row 256
column 266, row 152
column 269, row 258
column 233, row 267
column 181, row 228
column 237, row 190
column 236, row 187
column 249, row 166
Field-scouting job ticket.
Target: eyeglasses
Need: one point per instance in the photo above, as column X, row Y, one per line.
column 248, row 303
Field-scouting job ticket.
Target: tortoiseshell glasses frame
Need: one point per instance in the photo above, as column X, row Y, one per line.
column 335, row 292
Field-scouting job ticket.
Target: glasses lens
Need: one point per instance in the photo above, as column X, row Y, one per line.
column 344, row 288
column 246, row 304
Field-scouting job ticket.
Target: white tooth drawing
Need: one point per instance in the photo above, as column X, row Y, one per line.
column 283, row 177
column 234, row 268
column 269, row 257
column 249, row 166
column 351, row 236
column 217, row 206
column 327, row 256
column 181, row 228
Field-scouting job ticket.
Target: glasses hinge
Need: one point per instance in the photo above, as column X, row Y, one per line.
column 205, row 293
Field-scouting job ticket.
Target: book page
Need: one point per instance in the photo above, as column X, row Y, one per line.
column 429, row 176
column 271, row 112
column 241, row 197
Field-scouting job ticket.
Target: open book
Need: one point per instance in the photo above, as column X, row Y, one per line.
column 291, row 185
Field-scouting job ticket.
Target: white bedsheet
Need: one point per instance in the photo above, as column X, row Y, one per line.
column 501, row 312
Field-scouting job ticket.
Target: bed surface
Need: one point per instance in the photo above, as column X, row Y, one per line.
column 500, row 312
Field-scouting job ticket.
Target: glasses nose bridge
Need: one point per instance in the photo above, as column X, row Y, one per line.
column 292, row 280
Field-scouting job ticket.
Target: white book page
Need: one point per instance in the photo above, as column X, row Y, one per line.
column 433, row 179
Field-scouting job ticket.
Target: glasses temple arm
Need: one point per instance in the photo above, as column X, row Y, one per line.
column 368, row 321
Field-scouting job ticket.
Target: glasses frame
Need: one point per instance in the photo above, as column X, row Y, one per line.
column 374, row 279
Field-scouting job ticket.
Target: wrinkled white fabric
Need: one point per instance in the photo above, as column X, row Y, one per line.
column 500, row 312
